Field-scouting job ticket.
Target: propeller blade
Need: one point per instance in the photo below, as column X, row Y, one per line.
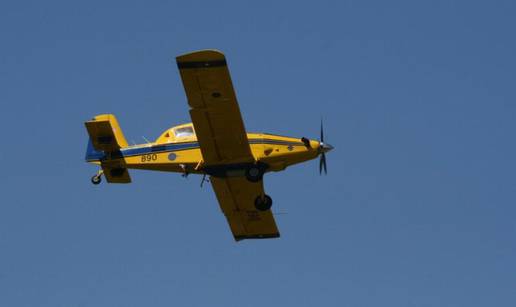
column 320, row 164
column 322, row 132
column 324, row 164
column 322, row 149
column 325, row 170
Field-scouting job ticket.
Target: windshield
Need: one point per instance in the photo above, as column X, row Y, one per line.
column 183, row 131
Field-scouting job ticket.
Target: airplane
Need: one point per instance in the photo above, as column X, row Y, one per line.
column 214, row 144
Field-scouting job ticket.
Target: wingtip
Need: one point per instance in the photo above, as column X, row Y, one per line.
column 201, row 59
column 201, row 55
column 259, row 236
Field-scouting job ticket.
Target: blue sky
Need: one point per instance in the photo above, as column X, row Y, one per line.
column 418, row 208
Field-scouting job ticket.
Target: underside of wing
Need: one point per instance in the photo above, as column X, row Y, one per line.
column 214, row 108
column 236, row 196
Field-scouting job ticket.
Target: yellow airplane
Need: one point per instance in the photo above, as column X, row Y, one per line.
column 214, row 144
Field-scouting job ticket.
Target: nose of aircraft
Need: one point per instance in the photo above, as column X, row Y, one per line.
column 325, row 147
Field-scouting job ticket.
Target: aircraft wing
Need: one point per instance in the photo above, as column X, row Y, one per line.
column 236, row 196
column 214, row 108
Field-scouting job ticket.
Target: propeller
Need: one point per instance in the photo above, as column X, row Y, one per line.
column 323, row 149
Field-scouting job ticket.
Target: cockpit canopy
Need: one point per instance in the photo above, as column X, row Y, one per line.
column 181, row 133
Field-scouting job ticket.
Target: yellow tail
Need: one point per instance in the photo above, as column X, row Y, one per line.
column 106, row 140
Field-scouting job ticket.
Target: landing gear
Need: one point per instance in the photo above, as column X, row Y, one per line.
column 96, row 179
column 263, row 203
column 254, row 173
column 184, row 168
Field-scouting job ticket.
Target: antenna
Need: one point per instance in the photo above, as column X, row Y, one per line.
column 145, row 139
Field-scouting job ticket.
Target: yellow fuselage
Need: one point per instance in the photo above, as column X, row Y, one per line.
column 182, row 154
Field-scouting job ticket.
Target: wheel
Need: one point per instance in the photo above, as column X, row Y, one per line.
column 96, row 179
column 254, row 173
column 263, row 203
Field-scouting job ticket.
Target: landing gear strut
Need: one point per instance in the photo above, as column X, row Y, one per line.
column 185, row 170
column 263, row 203
column 97, row 178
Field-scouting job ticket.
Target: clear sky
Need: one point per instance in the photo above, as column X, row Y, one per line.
column 418, row 208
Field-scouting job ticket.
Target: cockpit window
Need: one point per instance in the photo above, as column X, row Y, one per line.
column 183, row 131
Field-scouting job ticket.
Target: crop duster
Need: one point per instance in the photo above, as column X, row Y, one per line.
column 214, row 144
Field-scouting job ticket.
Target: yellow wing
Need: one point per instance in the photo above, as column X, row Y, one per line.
column 236, row 197
column 214, row 108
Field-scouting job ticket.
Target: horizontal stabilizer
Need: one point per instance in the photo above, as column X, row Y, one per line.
column 115, row 171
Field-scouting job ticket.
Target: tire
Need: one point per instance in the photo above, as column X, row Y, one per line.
column 263, row 204
column 254, row 173
column 96, row 179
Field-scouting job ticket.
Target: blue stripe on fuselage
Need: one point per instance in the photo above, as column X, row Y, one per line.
column 159, row 148
column 135, row 151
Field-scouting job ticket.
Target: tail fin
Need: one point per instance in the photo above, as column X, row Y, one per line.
column 92, row 154
column 105, row 133
column 106, row 140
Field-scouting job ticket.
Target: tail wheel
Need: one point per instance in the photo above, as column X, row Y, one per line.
column 254, row 173
column 96, row 179
column 263, row 203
